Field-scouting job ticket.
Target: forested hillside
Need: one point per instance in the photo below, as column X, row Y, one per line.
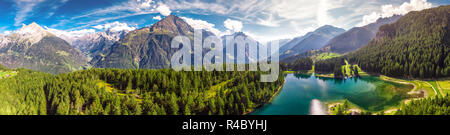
column 311, row 41
column 302, row 64
column 23, row 94
column 356, row 37
column 429, row 106
column 33, row 47
column 134, row 92
column 147, row 48
column 333, row 65
column 417, row 46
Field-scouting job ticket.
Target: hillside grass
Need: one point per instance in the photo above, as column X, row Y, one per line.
column 434, row 84
column 419, row 85
column 109, row 88
column 6, row 74
column 324, row 56
column 361, row 72
column 444, row 87
column 214, row 89
column 346, row 69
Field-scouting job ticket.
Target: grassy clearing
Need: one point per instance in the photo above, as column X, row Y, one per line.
column 6, row 74
column 346, row 69
column 444, row 86
column 361, row 72
column 438, row 90
column 289, row 72
column 422, row 85
column 214, row 89
column 324, row 56
column 419, row 85
column 347, row 72
column 325, row 75
column 109, row 88
column 332, row 107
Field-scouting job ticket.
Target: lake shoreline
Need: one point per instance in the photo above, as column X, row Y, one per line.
column 270, row 100
column 389, row 110
column 326, row 102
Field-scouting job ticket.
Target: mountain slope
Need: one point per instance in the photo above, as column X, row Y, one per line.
column 356, row 37
column 34, row 48
column 417, row 45
column 3, row 41
column 233, row 55
column 146, row 48
column 311, row 41
column 293, row 42
column 98, row 43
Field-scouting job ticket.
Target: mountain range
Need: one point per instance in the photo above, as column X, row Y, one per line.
column 346, row 42
column 357, row 37
column 311, row 41
column 96, row 44
column 248, row 55
column 147, row 48
column 35, row 48
column 415, row 46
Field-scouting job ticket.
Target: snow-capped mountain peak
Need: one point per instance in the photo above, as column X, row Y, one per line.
column 31, row 29
column 3, row 41
column 31, row 34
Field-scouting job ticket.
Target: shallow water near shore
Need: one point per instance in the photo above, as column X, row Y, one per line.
column 303, row 94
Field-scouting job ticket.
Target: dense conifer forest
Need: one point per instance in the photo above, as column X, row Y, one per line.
column 333, row 65
column 428, row 106
column 416, row 46
column 302, row 64
column 134, row 92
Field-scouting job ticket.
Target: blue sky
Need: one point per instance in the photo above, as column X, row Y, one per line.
column 262, row 19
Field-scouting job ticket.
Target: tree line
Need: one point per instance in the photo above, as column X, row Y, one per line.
column 135, row 92
column 301, row 64
column 429, row 106
column 416, row 46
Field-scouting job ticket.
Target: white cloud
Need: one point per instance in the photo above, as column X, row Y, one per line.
column 115, row 26
column 270, row 22
column 121, row 10
column 390, row 10
column 80, row 33
column 367, row 19
column 24, row 9
column 200, row 24
column 163, row 9
column 258, row 15
column 234, row 25
column 70, row 34
column 145, row 3
column 414, row 5
column 322, row 15
column 157, row 17
column 7, row 32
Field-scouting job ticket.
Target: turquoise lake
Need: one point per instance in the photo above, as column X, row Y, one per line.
column 369, row 93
